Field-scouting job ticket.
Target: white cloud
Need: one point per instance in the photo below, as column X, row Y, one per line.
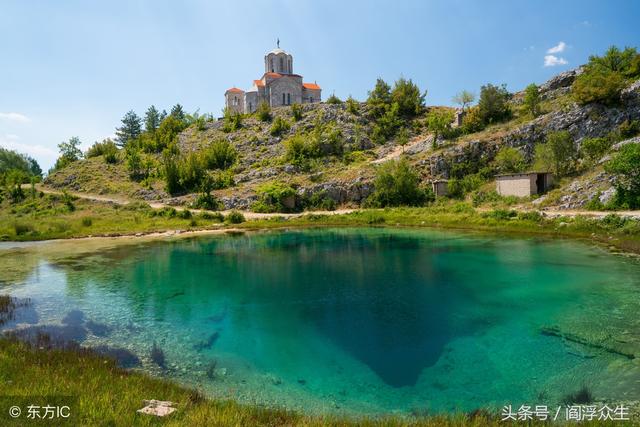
column 15, row 117
column 12, row 142
column 552, row 61
column 559, row 48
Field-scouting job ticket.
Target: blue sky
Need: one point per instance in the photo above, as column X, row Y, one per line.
column 75, row 67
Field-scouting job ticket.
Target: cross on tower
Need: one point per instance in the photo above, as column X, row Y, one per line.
column 278, row 42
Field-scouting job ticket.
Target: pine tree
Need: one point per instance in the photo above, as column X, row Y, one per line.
column 178, row 112
column 131, row 128
column 151, row 119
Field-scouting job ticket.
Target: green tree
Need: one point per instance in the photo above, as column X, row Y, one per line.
column 509, row 160
column 178, row 112
column 532, row 99
column 493, row 104
column 11, row 160
column 333, row 99
column 131, row 128
column 614, row 59
column 464, row 99
column 151, row 119
column 134, row 162
column 408, row 97
column 167, row 133
column 296, row 112
column 403, row 138
column 439, row 121
column 387, row 125
column 264, row 112
column 220, row 155
column 69, row 152
column 598, row 84
column 352, row 106
column 625, row 166
column 397, row 184
column 557, row 155
column 379, row 98
column 592, row 149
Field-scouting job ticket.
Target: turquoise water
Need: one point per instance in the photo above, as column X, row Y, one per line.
column 362, row 321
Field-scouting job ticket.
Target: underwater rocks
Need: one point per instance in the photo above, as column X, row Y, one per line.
column 609, row 345
column 208, row 343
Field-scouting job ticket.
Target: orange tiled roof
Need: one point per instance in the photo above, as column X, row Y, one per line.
column 235, row 89
column 274, row 75
column 312, row 86
column 258, row 82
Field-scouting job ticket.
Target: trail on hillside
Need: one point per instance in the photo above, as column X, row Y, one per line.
column 399, row 150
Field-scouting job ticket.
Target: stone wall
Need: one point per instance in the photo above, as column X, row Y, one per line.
column 521, row 185
column 311, row 95
column 234, row 101
column 290, row 86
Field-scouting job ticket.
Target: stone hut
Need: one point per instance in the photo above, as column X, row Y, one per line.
column 440, row 187
column 523, row 184
column 277, row 86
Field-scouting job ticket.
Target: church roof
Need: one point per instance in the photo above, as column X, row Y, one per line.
column 277, row 51
column 258, row 82
column 235, row 90
column 311, row 86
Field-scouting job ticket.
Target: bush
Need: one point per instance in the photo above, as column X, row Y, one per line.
column 459, row 187
column 625, row 165
column 472, row 121
column 407, row 95
column 22, row 228
column 106, row 148
column 275, row 197
column 557, row 155
column 533, row 216
column 87, row 221
column 379, row 99
column 592, row 149
column 493, row 105
column 232, row 121
column 279, row 127
column 264, row 112
column 234, row 217
column 352, row 106
column 532, row 99
column 387, row 124
column 500, row 214
column 628, row 129
column 397, row 184
column 184, row 214
column 509, row 160
column 320, row 200
column 296, row 112
column 220, row 155
column 212, row 216
column 439, row 122
column 334, row 100
column 598, row 84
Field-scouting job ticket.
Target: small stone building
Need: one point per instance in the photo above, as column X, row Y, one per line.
column 440, row 187
column 523, row 184
column 277, row 86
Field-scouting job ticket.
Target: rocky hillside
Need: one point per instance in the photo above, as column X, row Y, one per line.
column 347, row 179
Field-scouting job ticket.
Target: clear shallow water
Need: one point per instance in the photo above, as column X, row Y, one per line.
column 351, row 320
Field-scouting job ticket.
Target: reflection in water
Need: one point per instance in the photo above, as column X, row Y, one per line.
column 361, row 320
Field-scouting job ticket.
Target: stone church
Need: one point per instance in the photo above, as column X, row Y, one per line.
column 278, row 86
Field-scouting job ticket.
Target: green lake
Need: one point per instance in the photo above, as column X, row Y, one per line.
column 356, row 321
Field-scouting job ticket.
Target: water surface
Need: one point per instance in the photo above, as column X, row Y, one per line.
column 351, row 320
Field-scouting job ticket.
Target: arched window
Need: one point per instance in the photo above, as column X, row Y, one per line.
column 288, row 99
column 271, row 64
column 283, row 99
column 290, row 67
column 250, row 107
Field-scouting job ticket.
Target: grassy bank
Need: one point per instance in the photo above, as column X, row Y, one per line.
column 100, row 393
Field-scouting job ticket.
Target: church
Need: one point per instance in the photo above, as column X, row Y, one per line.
column 278, row 86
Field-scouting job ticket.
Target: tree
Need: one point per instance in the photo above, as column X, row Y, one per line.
column 151, row 119
column 131, row 128
column 532, row 99
column 493, row 106
column 625, row 165
column 403, row 138
column 379, row 98
column 509, row 160
column 69, row 152
column 614, row 59
column 13, row 161
column 387, row 125
column 178, row 112
column 333, row 99
column 408, row 97
column 558, row 154
column 264, row 112
column 438, row 122
column 464, row 99
column 167, row 132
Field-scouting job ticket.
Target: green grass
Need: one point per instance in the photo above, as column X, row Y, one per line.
column 100, row 393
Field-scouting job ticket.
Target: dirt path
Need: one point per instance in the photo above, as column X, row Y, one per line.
column 158, row 205
column 397, row 151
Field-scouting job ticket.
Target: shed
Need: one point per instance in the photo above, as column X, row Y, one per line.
column 523, row 184
column 440, row 187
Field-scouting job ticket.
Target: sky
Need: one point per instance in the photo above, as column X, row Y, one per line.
column 73, row 68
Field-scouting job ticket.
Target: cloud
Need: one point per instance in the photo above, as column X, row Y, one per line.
column 12, row 142
column 15, row 117
column 552, row 61
column 559, row 48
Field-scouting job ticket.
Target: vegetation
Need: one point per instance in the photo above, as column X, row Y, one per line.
column 531, row 100
column 232, row 121
column 439, row 122
column 275, row 197
column 464, row 99
column 220, row 155
column 397, row 184
column 69, row 152
column 625, row 165
column 264, row 112
column 106, row 148
column 509, row 160
column 333, row 99
column 130, row 129
column 296, row 112
column 558, row 155
column 279, row 127
column 493, row 105
column 18, row 168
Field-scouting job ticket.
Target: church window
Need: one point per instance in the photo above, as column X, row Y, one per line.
column 281, row 65
column 250, row 107
column 311, row 99
column 288, row 99
column 271, row 62
column 283, row 99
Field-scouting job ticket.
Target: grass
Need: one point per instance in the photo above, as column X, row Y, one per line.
column 100, row 393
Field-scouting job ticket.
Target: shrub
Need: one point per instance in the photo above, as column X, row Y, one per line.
column 320, row 200
column 592, row 149
column 334, row 100
column 628, row 129
column 87, row 221
column 166, row 135
column 387, row 124
column 22, row 228
column 275, row 197
column 352, row 106
column 493, row 105
column 264, row 112
column 296, row 112
column 439, row 122
column 557, row 155
column 509, row 160
column 232, row 121
column 500, row 214
column 184, row 214
column 397, row 184
column 598, row 84
column 459, row 187
column 532, row 99
column 220, row 155
column 379, row 99
column 279, row 127
column 472, row 121
column 106, row 148
column 625, row 165
column 235, row 217
column 212, row 216
column 533, row 216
